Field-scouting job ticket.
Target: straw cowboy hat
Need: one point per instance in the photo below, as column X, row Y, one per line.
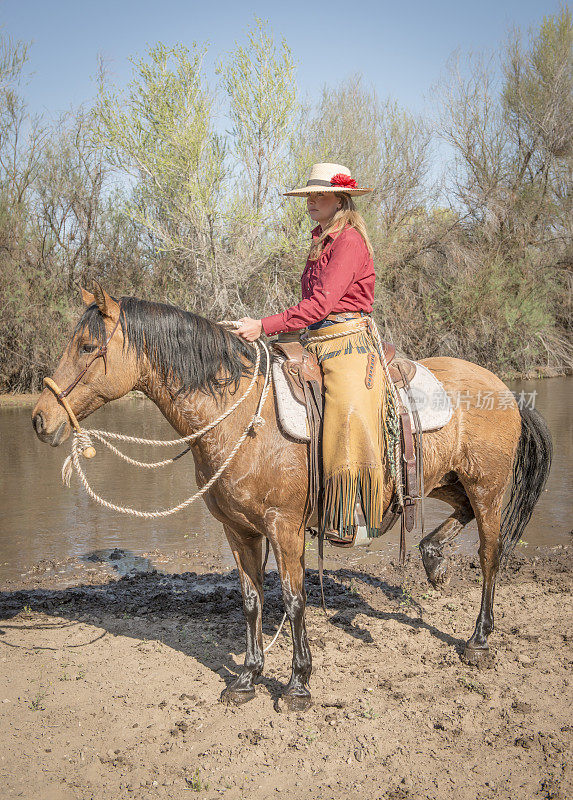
column 329, row 178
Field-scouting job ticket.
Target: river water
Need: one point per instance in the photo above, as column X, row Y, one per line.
column 40, row 519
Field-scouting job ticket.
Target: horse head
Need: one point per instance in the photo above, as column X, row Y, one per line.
column 96, row 355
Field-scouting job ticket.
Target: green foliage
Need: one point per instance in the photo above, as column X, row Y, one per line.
column 37, row 702
column 160, row 131
column 196, row 782
column 538, row 91
column 259, row 84
column 473, row 686
column 148, row 192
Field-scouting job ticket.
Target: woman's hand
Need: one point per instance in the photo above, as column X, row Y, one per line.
column 250, row 329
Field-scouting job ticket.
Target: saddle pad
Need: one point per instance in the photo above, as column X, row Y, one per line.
column 431, row 399
column 432, row 402
column 290, row 411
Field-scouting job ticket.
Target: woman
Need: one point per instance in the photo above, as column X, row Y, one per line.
column 337, row 291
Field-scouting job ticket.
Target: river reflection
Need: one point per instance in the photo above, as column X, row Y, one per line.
column 40, row 519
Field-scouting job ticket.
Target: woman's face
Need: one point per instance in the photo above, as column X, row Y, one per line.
column 321, row 206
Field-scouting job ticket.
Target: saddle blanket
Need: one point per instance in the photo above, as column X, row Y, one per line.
column 431, row 399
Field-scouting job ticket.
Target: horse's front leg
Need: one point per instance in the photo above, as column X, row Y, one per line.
column 248, row 552
column 288, row 546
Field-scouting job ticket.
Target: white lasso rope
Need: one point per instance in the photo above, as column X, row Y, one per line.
column 356, row 325
column 276, row 636
column 81, row 440
column 102, row 435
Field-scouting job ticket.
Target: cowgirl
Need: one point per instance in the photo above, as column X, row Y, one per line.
column 337, row 294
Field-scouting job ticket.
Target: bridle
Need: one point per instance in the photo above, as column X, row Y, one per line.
column 61, row 394
column 101, row 352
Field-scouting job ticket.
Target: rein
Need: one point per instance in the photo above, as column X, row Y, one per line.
column 101, row 352
column 61, row 394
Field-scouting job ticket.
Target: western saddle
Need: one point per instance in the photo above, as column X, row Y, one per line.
column 304, row 376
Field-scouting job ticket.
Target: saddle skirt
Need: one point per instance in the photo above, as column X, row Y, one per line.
column 431, row 399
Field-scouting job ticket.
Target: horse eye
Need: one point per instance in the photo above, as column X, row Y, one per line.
column 87, row 348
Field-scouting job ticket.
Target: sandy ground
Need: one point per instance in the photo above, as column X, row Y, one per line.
column 110, row 686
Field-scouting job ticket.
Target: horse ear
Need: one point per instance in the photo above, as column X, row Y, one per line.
column 87, row 297
column 106, row 304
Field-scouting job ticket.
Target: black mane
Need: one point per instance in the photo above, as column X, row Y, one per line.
column 189, row 352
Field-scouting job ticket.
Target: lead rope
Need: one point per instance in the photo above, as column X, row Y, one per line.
column 82, row 444
column 395, row 402
column 104, row 435
column 82, row 441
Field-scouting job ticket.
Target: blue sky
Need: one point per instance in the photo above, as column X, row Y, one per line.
column 400, row 47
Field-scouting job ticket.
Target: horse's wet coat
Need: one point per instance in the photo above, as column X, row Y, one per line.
column 192, row 369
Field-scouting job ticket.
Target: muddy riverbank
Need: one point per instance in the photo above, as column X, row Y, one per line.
column 112, row 666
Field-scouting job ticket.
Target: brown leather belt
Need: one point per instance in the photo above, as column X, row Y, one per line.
column 344, row 315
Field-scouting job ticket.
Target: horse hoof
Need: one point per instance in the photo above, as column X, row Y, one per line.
column 440, row 580
column 478, row 657
column 235, row 697
column 294, row 702
column 439, row 575
column 437, row 569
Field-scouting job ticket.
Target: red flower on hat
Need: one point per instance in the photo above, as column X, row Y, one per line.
column 340, row 179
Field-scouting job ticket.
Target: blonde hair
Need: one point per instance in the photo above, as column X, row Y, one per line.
column 347, row 214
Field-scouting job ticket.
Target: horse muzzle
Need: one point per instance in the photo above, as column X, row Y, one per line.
column 53, row 437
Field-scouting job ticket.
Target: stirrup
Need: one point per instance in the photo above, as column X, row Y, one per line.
column 334, row 537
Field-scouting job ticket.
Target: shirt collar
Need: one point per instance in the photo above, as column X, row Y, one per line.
column 317, row 231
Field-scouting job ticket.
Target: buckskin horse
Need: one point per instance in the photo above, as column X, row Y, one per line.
column 192, row 369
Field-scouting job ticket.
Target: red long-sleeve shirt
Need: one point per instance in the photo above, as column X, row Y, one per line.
column 341, row 279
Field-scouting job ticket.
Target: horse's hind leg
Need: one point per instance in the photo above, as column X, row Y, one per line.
column 248, row 552
column 487, row 508
column 289, row 553
column 432, row 546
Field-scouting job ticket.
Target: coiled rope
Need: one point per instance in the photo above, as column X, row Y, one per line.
column 82, row 442
column 82, row 439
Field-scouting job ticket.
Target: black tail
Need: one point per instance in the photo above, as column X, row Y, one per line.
column 530, row 472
